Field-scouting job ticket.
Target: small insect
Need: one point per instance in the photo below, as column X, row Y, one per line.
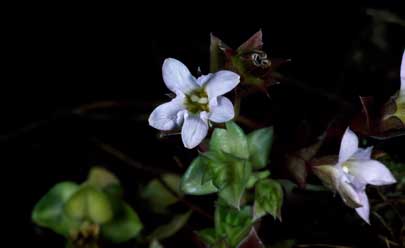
column 259, row 59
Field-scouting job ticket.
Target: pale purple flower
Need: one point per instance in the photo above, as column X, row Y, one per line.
column 353, row 171
column 197, row 101
column 403, row 72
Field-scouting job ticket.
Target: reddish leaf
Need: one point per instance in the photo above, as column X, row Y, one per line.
column 218, row 51
column 252, row 241
column 296, row 166
column 378, row 121
column 253, row 43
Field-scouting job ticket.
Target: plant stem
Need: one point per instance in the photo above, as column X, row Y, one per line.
column 126, row 159
column 184, row 201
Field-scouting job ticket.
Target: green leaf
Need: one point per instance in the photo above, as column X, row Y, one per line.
column 231, row 224
column 157, row 195
column 165, row 231
column 229, row 174
column 89, row 204
column 48, row 212
column 268, row 198
column 208, row 236
column 259, row 142
column 234, row 177
column 101, row 178
column 124, row 226
column 231, row 140
column 105, row 180
column 256, row 176
column 196, row 180
column 221, row 244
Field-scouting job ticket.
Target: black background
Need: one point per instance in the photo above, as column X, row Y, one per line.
column 54, row 65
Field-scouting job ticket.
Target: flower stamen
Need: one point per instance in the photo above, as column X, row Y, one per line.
column 197, row 101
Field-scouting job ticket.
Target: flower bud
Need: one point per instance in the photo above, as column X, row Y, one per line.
column 89, row 204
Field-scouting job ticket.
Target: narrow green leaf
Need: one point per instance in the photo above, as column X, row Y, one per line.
column 268, row 198
column 197, row 179
column 124, row 226
column 170, row 228
column 157, row 195
column 231, row 140
column 48, row 212
column 208, row 236
column 259, row 142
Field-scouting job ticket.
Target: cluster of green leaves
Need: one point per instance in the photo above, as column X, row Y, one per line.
column 231, row 227
column 233, row 164
column 227, row 166
column 69, row 208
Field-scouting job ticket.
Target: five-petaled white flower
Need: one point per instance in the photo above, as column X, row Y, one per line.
column 197, row 101
column 353, row 171
column 403, row 72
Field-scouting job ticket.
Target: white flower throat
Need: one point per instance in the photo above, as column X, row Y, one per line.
column 197, row 101
column 345, row 168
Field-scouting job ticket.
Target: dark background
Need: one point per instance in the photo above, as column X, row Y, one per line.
column 55, row 65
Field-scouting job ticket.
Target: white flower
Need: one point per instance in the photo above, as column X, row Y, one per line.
column 403, row 72
column 353, row 171
column 400, row 100
column 197, row 101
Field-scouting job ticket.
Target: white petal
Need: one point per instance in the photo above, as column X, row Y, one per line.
column 180, row 117
column 364, row 210
column 177, row 77
column 349, row 195
column 221, row 82
column 363, row 154
column 201, row 80
column 164, row 117
column 348, row 145
column 194, row 130
column 204, row 116
column 370, row 172
column 221, row 110
column 403, row 72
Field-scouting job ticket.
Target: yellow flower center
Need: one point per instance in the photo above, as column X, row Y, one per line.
column 345, row 168
column 197, row 101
